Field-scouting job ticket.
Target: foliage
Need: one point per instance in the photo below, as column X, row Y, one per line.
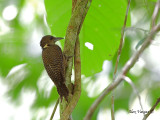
column 98, row 29
column 21, row 66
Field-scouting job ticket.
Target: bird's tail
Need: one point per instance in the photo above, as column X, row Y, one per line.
column 63, row 91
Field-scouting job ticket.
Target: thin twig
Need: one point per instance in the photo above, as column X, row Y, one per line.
column 127, row 79
column 54, row 110
column 135, row 28
column 112, row 110
column 125, row 69
column 152, row 109
column 118, row 56
column 154, row 16
column 121, row 41
column 139, row 29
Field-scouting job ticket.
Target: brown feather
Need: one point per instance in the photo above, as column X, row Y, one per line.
column 54, row 64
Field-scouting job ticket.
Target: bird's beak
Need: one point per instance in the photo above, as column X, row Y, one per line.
column 58, row 38
column 45, row 46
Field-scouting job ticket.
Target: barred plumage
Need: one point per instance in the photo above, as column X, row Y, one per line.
column 53, row 60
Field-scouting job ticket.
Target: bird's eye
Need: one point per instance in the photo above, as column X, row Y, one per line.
column 51, row 38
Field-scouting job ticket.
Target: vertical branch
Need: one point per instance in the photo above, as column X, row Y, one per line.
column 73, row 4
column 77, row 64
column 71, row 36
column 72, row 48
column 77, row 60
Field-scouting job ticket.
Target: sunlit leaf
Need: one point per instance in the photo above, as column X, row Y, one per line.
column 101, row 28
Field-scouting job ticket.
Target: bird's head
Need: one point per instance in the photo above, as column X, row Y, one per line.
column 49, row 40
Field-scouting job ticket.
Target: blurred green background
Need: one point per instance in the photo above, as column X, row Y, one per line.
column 28, row 93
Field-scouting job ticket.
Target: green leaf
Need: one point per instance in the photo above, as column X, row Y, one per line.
column 101, row 28
column 140, row 43
column 58, row 15
column 43, row 101
column 154, row 93
column 82, row 107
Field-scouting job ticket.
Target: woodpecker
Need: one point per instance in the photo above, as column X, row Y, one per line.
column 54, row 63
